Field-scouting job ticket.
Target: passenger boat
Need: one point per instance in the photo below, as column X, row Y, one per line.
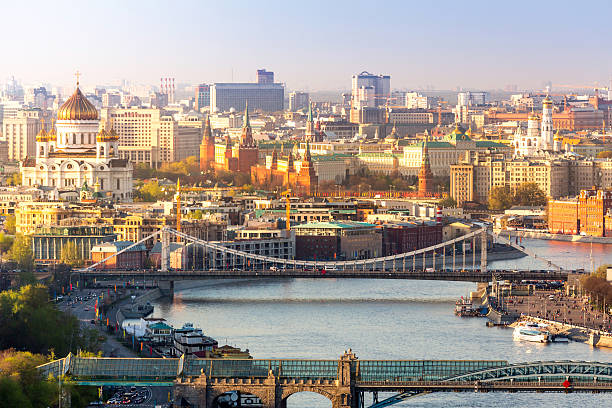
column 528, row 331
column 465, row 308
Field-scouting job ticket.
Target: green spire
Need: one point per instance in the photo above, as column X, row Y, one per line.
column 247, row 122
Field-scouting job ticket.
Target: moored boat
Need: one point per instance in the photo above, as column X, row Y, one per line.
column 534, row 332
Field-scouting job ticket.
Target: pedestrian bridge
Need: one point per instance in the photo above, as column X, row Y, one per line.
column 345, row 381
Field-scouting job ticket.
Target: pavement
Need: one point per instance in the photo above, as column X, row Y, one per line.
column 556, row 306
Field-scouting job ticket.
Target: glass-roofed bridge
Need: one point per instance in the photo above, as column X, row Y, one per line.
column 200, row 382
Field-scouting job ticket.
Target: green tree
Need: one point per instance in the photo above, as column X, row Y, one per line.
column 500, row 198
column 71, row 255
column 21, row 253
column 447, row 202
column 150, row 191
column 606, row 154
column 9, row 224
column 529, row 194
column 15, row 179
column 28, row 321
column 602, row 271
column 6, row 241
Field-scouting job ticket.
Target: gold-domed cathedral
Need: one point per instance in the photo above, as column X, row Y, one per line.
column 425, row 175
column 77, row 151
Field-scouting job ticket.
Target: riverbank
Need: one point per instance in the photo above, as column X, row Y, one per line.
column 556, row 237
column 580, row 334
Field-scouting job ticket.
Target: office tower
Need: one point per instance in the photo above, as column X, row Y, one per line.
column 265, row 77
column 298, row 100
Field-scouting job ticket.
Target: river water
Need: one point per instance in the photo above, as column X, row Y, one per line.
column 380, row 319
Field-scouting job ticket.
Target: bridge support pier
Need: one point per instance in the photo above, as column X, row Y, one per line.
column 167, row 288
column 273, row 392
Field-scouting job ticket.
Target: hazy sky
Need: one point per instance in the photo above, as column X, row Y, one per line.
column 315, row 45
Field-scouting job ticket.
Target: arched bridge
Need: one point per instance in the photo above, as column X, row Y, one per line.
column 345, row 381
column 460, row 259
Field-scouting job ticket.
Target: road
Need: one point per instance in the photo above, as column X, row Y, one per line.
column 84, row 310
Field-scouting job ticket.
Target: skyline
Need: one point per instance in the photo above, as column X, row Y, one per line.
column 444, row 45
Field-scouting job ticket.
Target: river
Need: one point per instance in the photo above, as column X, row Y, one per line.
column 380, row 319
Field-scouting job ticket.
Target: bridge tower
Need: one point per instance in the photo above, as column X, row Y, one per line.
column 483, row 250
column 165, row 250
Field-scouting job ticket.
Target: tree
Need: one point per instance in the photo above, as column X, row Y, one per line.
column 447, row 202
column 602, row 271
column 6, row 241
column 529, row 194
column 150, row 191
column 70, row 254
column 500, row 198
column 606, row 154
column 9, row 224
column 21, row 253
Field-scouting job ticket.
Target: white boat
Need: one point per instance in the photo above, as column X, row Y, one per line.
column 528, row 331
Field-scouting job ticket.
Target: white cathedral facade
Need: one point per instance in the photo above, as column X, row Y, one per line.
column 77, row 152
column 539, row 136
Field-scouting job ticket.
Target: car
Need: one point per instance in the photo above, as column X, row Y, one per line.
column 92, row 321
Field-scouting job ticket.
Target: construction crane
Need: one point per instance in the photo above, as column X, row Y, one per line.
column 178, row 204
column 287, row 195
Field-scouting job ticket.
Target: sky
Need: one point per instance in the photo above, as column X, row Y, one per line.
column 310, row 45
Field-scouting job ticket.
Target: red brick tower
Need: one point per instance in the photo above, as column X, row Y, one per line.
column 425, row 174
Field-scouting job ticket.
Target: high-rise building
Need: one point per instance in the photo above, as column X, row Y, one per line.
column 20, row 132
column 298, row 100
column 202, row 96
column 148, row 135
column 368, row 91
column 265, row 77
column 268, row 97
column 471, row 98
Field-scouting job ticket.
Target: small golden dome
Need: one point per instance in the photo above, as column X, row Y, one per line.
column 112, row 135
column 102, row 135
column 42, row 135
column 77, row 107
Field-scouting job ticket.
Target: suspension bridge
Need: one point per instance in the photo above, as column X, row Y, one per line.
column 346, row 382
column 448, row 260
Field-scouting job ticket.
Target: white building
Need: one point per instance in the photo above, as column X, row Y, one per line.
column 77, row 152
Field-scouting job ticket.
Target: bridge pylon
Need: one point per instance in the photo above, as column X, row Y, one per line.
column 483, row 250
column 165, row 250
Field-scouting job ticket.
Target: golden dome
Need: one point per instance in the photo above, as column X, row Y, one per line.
column 102, row 135
column 77, row 107
column 112, row 135
column 42, row 135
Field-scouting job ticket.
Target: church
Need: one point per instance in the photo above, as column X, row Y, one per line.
column 78, row 152
column 538, row 137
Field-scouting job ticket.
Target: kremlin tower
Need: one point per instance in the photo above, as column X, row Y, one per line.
column 425, row 174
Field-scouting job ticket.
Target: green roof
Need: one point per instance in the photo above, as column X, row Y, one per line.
column 277, row 143
column 330, row 157
column 434, row 145
column 488, row 143
column 375, row 154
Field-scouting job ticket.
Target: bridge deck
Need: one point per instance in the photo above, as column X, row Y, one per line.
column 447, row 275
column 370, row 375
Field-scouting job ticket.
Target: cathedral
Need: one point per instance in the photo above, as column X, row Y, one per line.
column 77, row 152
column 538, row 136
column 239, row 157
